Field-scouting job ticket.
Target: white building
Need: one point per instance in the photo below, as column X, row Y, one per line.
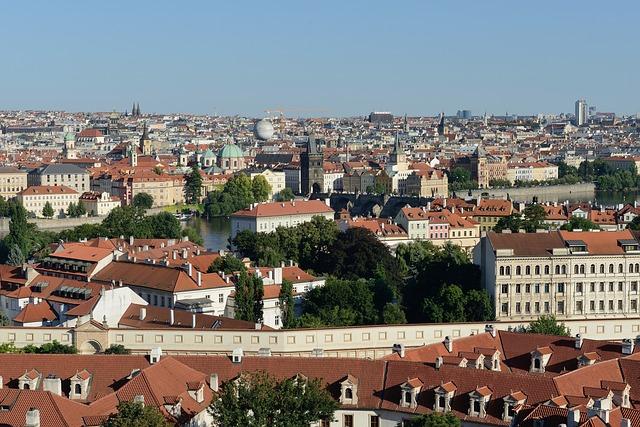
column 35, row 198
column 266, row 217
column 99, row 203
column 581, row 112
column 571, row 275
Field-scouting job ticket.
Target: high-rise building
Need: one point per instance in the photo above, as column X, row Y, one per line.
column 581, row 112
column 311, row 168
column 381, row 117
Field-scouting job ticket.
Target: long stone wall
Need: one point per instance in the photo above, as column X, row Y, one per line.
column 361, row 342
column 53, row 223
column 551, row 193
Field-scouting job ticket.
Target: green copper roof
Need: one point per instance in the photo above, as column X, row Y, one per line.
column 230, row 151
column 69, row 136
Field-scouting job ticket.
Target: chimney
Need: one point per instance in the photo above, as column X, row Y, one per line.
column 277, row 275
column 213, row 382
column 172, row 317
column 627, row 346
column 399, row 349
column 131, row 240
column 625, row 422
column 52, row 384
column 138, row 398
column 174, row 254
column 189, row 269
column 193, row 320
column 199, row 279
column 257, row 326
column 439, row 362
column 579, row 341
column 573, row 418
column 32, row 418
column 143, row 313
column 490, row 329
column 448, row 344
column 145, row 248
column 185, row 253
column 270, row 274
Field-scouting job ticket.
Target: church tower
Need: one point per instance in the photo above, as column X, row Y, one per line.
column 311, row 168
column 441, row 126
column 397, row 159
column 146, row 145
column 69, row 150
column 133, row 155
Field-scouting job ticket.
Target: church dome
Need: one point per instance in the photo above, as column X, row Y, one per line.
column 264, row 129
column 230, row 151
column 69, row 136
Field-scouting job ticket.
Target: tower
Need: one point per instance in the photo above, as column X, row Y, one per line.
column 133, row 155
column 397, row 159
column 146, row 146
column 406, row 125
column 311, row 168
column 441, row 128
column 69, row 150
column 581, row 112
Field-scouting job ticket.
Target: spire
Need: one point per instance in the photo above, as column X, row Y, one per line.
column 133, row 109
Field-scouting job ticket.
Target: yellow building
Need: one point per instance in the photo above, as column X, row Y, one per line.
column 428, row 183
column 12, row 181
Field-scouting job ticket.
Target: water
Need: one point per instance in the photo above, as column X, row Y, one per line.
column 611, row 198
column 215, row 231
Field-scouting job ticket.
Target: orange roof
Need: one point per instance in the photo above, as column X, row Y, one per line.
column 83, row 253
column 47, row 189
column 297, row 207
column 35, row 313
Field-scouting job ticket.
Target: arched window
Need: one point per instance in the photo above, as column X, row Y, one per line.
column 348, row 393
column 610, row 268
column 576, row 269
column 536, row 363
column 78, row 389
column 508, row 271
column 546, row 269
column 637, row 268
column 582, row 269
column 527, row 270
column 502, row 270
column 26, row 386
column 564, row 269
column 601, row 268
column 557, row 269
column 537, row 269
column 620, row 268
column 518, row 271
column 593, row 268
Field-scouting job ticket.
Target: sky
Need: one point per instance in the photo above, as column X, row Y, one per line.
column 320, row 58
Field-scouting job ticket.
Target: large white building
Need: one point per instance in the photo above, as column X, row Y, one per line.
column 266, row 217
column 59, row 197
column 572, row 275
column 581, row 112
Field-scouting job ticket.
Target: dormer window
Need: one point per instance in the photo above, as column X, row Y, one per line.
column 80, row 385
column 510, row 403
column 349, row 390
column 444, row 394
column 478, row 401
column 29, row 380
column 539, row 359
column 409, row 392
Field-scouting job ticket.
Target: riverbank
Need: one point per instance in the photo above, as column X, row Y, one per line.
column 53, row 224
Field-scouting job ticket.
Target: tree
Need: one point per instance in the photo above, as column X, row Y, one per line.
column 434, row 419
column 47, row 210
column 136, row 414
column 227, row 264
column 76, row 210
column 20, row 231
column 117, row 349
column 257, row 399
column 634, row 224
column 459, row 174
column 8, row 347
column 577, row 223
column 341, row 303
column 54, row 347
column 512, row 222
column 236, row 194
column 287, row 304
column 248, row 298
column 15, row 257
column 4, row 319
column 548, row 325
column 534, row 216
column 142, row 201
column 123, row 221
column 162, row 225
column 393, row 314
column 193, row 235
column 285, row 195
column 193, row 185
column 260, row 188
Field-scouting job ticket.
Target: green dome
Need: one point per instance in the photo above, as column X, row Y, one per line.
column 69, row 136
column 207, row 154
column 231, row 151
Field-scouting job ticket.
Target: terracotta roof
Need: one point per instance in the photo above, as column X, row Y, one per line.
column 298, row 207
column 46, row 190
column 33, row 313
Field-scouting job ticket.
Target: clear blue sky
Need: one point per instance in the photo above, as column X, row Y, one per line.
column 320, row 57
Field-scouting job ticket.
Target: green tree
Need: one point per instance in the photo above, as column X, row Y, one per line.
column 47, row 210
column 227, row 264
column 193, row 185
column 393, row 315
column 260, row 188
column 459, row 174
column 534, row 216
column 259, row 400
column 20, row 232
column 142, row 201
column 117, row 349
column 123, row 221
column 76, row 210
column 341, row 303
column 8, row 347
column 634, row 224
column 248, row 298
column 54, row 347
column 236, row 194
column 548, row 325
column 478, row 306
column 136, row 414
column 285, row 195
column 4, row 319
column 193, row 235
column 512, row 222
column 434, row 419
column 577, row 223
column 15, row 257
column 287, row 305
column 162, row 225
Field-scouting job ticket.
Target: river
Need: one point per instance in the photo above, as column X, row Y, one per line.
column 215, row 232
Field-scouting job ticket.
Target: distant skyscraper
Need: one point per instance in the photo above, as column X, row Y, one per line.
column 464, row 114
column 581, row 112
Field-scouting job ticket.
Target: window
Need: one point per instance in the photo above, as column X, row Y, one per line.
column 325, row 423
column 537, row 306
column 561, row 307
column 276, row 321
column 619, row 305
column 504, row 308
column 537, row 288
column 374, row 421
column 620, row 286
column 407, row 398
column 592, row 305
column 546, row 269
column 579, row 306
column 527, row 270
column 518, row 271
column 564, row 269
column 601, row 305
column 592, row 287
column 557, row 269
column 582, row 269
column 610, row 268
column 505, row 289
column 517, row 307
column 78, row 389
column 546, row 288
column 502, row 270
column 601, row 286
column 593, row 269
column 527, row 307
column 610, row 305
column 620, row 268
column 575, row 269
column 610, row 286
column 348, row 420
column 634, row 305
column 348, row 393
column 602, row 268
column 527, row 288
column 508, row 270
column 560, row 288
column 579, row 287
column 634, row 286
column 537, row 269
column 546, row 306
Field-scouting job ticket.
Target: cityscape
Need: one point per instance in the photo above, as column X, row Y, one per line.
column 369, row 253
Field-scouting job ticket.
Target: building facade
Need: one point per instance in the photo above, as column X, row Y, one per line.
column 12, row 181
